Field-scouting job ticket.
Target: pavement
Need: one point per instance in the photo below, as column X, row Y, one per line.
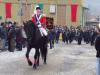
column 71, row 59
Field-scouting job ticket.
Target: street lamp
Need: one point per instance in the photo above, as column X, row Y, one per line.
column 84, row 15
column 20, row 13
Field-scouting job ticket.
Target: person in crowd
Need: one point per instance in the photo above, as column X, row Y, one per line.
column 93, row 35
column 63, row 36
column 51, row 36
column 70, row 36
column 3, row 35
column 80, row 36
column 97, row 47
column 57, row 35
column 86, row 36
column 11, row 38
column 18, row 39
column 67, row 32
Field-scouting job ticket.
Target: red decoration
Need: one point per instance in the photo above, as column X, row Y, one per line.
column 74, row 12
column 8, row 10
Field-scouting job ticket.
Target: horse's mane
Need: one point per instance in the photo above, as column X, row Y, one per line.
column 29, row 28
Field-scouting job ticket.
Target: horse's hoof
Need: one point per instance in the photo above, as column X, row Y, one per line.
column 45, row 63
column 29, row 63
column 34, row 67
column 37, row 64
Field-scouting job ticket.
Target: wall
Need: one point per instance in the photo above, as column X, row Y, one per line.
column 29, row 10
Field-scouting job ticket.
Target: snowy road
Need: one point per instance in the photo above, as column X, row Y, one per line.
column 62, row 60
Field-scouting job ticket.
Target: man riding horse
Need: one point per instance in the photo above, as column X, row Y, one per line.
column 36, row 37
column 40, row 20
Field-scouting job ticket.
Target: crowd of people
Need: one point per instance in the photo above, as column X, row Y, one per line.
column 68, row 35
column 12, row 35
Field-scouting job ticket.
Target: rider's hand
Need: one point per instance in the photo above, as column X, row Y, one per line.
column 39, row 25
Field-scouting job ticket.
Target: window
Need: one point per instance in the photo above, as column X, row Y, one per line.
column 52, row 9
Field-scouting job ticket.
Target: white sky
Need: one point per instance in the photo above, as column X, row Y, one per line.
column 94, row 6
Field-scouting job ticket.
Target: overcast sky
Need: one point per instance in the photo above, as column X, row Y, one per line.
column 94, row 6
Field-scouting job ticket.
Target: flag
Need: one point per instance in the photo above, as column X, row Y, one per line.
column 74, row 12
column 73, row 0
column 8, row 10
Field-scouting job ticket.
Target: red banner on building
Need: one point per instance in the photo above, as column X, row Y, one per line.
column 74, row 12
column 8, row 10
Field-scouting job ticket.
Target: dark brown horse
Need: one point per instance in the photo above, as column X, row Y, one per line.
column 35, row 40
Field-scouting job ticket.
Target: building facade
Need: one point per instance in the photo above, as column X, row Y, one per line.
column 60, row 10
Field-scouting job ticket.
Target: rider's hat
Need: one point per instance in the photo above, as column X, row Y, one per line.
column 38, row 8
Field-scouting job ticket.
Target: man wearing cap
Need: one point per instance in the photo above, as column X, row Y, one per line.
column 40, row 20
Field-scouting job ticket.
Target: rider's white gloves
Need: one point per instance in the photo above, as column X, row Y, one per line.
column 39, row 26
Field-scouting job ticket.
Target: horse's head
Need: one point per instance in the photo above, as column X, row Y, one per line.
column 29, row 28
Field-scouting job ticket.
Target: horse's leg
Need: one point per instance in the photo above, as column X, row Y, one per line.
column 35, row 58
column 45, row 55
column 27, row 56
column 45, row 50
column 38, row 56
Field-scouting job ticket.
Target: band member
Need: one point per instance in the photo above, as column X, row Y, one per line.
column 40, row 20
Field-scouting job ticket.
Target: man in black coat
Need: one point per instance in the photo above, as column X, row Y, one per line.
column 80, row 36
column 11, row 39
column 86, row 36
column 18, row 39
column 57, row 35
column 93, row 35
column 51, row 36
column 67, row 33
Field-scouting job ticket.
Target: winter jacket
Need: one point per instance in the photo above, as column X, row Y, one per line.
column 97, row 46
